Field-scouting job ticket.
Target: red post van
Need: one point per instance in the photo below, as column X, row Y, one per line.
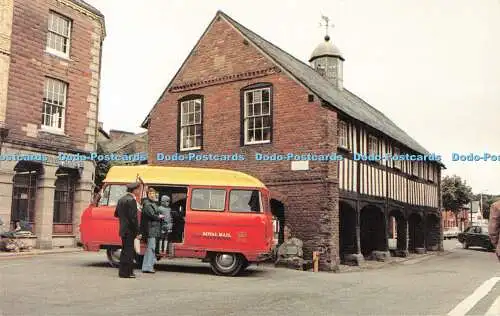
column 223, row 216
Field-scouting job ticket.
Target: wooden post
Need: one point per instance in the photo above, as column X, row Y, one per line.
column 315, row 261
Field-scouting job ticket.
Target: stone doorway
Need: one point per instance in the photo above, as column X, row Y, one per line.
column 433, row 227
column 278, row 211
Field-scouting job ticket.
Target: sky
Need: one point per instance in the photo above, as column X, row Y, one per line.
column 431, row 66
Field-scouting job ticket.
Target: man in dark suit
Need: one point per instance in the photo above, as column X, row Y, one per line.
column 126, row 211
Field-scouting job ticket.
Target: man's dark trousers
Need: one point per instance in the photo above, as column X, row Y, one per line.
column 127, row 256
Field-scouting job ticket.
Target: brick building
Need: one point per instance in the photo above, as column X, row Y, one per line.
column 50, row 61
column 468, row 215
column 238, row 93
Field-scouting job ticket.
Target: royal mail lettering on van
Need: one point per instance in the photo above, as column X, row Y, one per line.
column 216, row 235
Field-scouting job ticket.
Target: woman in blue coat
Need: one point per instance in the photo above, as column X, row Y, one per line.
column 151, row 229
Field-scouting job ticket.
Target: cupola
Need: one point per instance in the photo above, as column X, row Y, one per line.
column 327, row 60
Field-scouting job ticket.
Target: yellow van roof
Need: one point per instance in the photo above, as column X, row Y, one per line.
column 181, row 176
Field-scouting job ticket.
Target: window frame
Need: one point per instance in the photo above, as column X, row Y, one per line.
column 371, row 139
column 243, row 113
column 64, row 106
column 69, row 188
column 54, row 51
column 191, row 195
column 261, row 205
column 185, row 100
column 397, row 152
column 414, row 168
column 30, row 183
column 341, row 124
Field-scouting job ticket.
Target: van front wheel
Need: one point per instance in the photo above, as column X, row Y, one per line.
column 227, row 264
column 113, row 255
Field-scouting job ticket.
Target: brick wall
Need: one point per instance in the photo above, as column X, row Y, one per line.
column 299, row 126
column 30, row 64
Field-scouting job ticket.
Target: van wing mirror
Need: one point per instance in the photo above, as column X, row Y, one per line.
column 96, row 199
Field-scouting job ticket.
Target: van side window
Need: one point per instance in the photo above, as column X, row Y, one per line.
column 208, row 199
column 112, row 193
column 245, row 201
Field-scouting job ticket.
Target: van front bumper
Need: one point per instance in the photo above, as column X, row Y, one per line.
column 264, row 257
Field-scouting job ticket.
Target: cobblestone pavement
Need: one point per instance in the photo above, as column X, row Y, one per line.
column 461, row 283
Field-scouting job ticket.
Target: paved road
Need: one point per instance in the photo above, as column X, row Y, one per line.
column 462, row 283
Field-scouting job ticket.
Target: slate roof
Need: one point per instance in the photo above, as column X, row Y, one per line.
column 343, row 100
column 87, row 6
column 116, row 145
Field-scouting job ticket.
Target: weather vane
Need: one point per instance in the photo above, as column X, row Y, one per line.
column 326, row 23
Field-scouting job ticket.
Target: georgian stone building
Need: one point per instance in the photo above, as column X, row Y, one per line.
column 50, row 61
column 238, row 93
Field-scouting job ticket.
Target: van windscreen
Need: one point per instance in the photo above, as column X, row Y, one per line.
column 111, row 194
column 245, row 201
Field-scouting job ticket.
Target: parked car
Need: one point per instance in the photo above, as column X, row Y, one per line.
column 451, row 233
column 476, row 236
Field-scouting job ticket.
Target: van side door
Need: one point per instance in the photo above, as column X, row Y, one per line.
column 207, row 225
column 249, row 218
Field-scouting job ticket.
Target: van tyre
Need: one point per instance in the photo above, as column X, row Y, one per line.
column 227, row 264
column 113, row 255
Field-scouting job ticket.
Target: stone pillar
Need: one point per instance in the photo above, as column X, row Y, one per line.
column 83, row 197
column 358, row 232
column 358, row 257
column 425, row 223
column 6, row 18
column 6, row 184
column 409, row 246
column 386, row 230
column 402, row 241
column 441, row 236
column 44, row 208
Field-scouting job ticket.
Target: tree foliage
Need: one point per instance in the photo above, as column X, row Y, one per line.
column 488, row 199
column 456, row 193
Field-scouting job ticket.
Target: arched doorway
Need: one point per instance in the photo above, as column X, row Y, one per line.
column 347, row 230
column 433, row 227
column 372, row 230
column 24, row 187
column 416, row 232
column 397, row 231
column 278, row 211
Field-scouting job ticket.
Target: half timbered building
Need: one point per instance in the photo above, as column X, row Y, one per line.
column 238, row 93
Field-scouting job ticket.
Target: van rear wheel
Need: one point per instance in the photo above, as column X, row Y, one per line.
column 227, row 264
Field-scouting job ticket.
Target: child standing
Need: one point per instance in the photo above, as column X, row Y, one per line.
column 166, row 224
